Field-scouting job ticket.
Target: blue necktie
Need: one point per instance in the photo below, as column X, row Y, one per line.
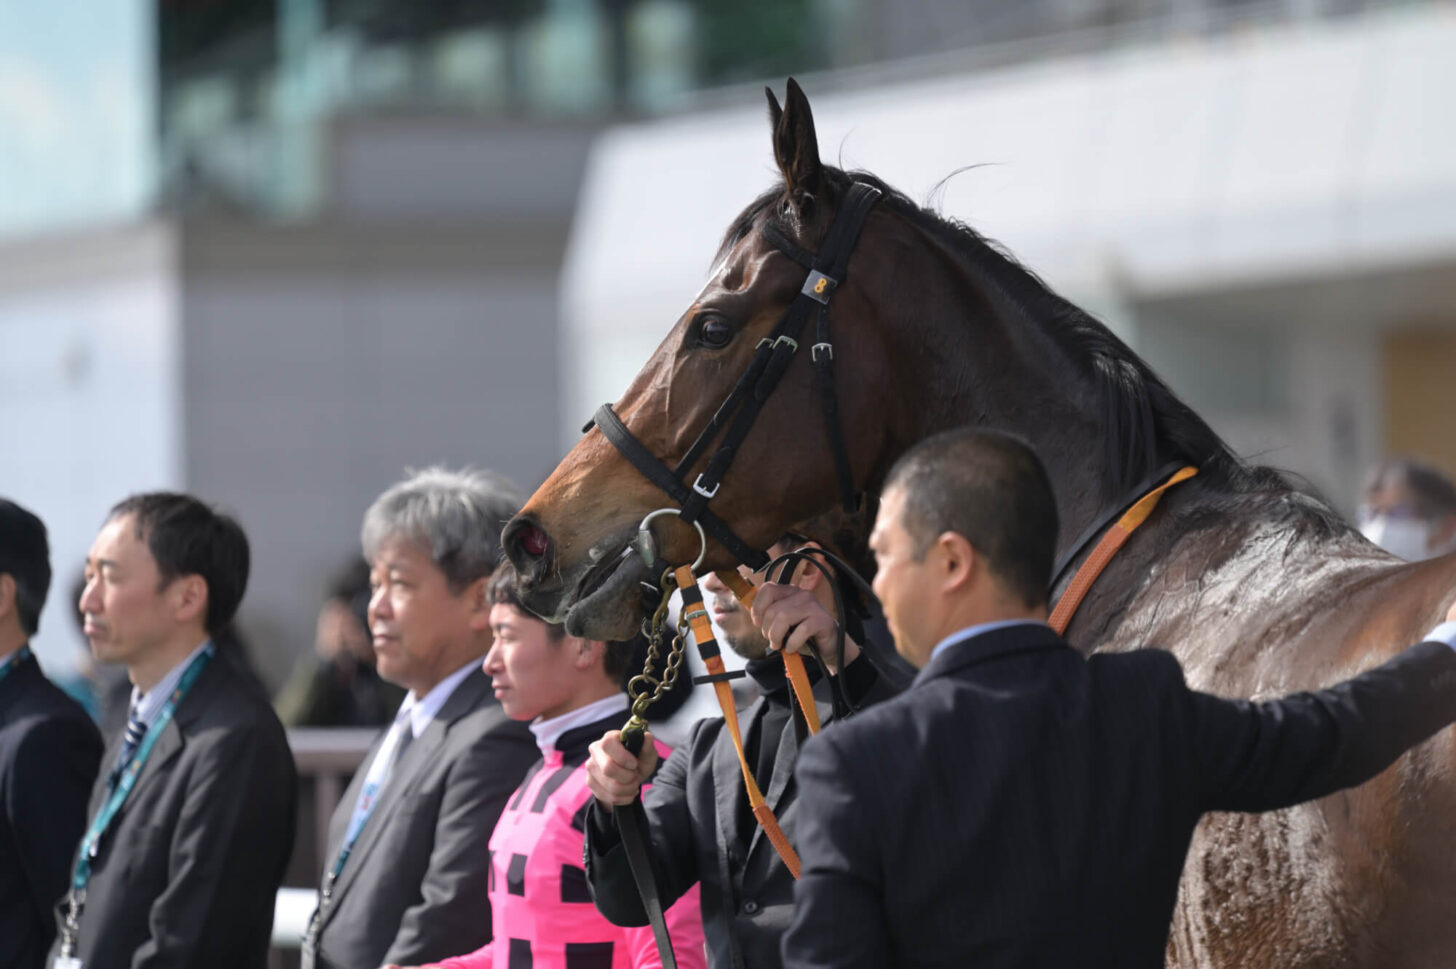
column 135, row 731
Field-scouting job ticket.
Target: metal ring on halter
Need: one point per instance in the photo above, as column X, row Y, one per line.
column 646, row 545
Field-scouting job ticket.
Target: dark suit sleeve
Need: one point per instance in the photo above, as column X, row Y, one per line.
column 1263, row 756
column 454, row 891
column 670, row 835
column 838, row 906
column 55, row 765
column 863, row 683
column 226, row 852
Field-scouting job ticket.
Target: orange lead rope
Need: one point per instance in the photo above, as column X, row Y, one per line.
column 697, row 616
column 1106, row 548
column 745, row 592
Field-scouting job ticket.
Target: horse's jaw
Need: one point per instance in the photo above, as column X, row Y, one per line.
column 599, row 598
column 611, row 610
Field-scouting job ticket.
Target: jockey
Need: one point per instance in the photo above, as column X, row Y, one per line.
column 700, row 825
column 570, row 690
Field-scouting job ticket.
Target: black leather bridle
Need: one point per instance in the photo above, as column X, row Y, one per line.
column 771, row 358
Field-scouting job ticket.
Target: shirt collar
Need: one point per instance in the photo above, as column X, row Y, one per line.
column 10, row 658
column 549, row 731
column 970, row 632
column 422, row 710
column 150, row 703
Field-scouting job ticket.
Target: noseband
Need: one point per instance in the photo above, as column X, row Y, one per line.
column 771, row 358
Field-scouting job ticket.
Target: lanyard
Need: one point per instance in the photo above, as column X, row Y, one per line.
column 356, row 827
column 90, row 843
column 21, row 656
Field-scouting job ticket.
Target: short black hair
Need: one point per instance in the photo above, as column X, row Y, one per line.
column 991, row 489
column 502, row 590
column 25, row 557
column 186, row 536
column 350, row 586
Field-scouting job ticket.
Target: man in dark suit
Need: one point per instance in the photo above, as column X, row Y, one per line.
column 49, row 751
column 192, row 817
column 700, row 824
column 407, row 863
column 987, row 815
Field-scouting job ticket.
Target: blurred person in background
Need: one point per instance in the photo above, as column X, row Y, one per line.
column 700, row 825
column 337, row 685
column 1409, row 509
column 49, row 754
column 407, row 863
column 192, row 817
column 570, row 691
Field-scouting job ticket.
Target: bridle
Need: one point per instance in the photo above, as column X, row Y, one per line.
column 733, row 419
column 771, row 358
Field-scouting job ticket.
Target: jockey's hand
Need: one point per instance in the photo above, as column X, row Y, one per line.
column 789, row 616
column 613, row 774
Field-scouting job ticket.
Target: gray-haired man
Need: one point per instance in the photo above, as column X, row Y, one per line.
column 406, row 864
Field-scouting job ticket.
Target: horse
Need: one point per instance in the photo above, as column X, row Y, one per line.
column 1257, row 586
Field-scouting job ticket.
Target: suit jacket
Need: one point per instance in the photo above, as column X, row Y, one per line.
column 1022, row 805
column 187, row 872
column 49, row 752
column 697, row 811
column 417, row 879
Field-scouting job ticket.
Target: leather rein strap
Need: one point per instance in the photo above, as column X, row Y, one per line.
column 1112, row 540
column 771, row 358
column 697, row 616
column 632, row 826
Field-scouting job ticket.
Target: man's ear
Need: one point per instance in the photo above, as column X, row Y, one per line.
column 956, row 560
column 589, row 653
column 478, row 595
column 191, row 598
column 7, row 594
column 808, row 577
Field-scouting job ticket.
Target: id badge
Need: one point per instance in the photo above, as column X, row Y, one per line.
column 67, row 962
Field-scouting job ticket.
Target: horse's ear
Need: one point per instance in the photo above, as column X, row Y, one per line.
column 796, row 147
column 775, row 113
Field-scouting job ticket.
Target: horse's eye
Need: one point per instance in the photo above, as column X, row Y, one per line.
column 714, row 332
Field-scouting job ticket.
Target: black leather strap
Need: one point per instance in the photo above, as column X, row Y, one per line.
column 655, row 471
column 632, row 826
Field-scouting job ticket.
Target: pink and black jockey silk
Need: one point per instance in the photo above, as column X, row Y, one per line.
column 542, row 910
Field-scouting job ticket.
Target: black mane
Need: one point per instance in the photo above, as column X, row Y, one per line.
column 1148, row 425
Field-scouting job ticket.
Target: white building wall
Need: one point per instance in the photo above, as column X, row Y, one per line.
column 89, row 392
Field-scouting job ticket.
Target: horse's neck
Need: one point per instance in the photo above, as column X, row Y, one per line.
column 983, row 360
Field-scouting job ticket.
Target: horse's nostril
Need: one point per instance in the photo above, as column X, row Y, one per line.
column 533, row 540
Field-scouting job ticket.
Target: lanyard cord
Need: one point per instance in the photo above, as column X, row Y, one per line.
column 91, row 842
column 21, row 656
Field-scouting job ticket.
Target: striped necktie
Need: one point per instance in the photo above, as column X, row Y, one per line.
column 135, row 731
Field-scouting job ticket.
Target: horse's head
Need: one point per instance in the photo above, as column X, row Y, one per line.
column 572, row 543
